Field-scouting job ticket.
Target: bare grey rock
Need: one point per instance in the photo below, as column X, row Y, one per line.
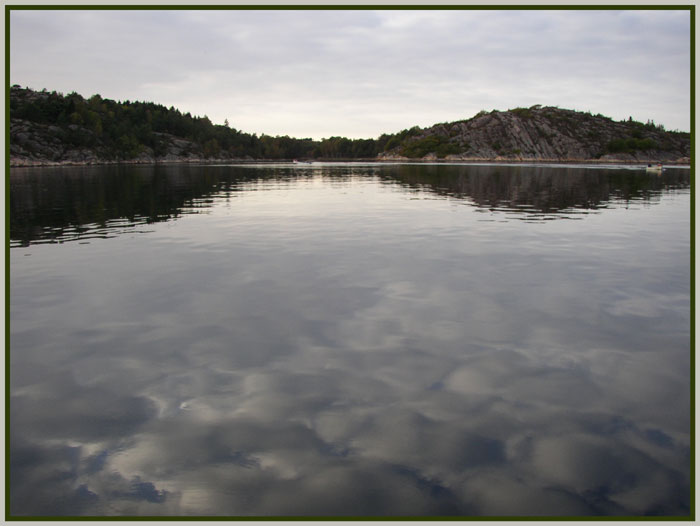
column 548, row 134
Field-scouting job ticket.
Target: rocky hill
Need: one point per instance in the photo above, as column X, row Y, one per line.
column 542, row 134
column 33, row 143
column 50, row 128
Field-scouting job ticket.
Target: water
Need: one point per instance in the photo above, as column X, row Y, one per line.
column 364, row 340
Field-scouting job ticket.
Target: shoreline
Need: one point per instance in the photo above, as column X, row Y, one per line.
column 25, row 163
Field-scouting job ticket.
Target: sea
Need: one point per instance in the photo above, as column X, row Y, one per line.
column 339, row 340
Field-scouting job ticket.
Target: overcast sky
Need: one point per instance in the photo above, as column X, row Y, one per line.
column 360, row 73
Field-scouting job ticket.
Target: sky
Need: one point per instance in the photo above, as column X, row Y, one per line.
column 361, row 73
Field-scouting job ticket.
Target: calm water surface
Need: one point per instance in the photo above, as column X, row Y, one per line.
column 362, row 340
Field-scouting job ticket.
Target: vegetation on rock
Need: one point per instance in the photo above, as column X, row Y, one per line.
column 544, row 133
column 49, row 127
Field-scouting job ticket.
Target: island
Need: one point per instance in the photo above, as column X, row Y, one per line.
column 50, row 128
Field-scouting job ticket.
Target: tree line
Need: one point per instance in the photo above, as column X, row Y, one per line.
column 124, row 130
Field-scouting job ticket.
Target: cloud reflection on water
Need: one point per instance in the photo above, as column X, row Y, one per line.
column 510, row 371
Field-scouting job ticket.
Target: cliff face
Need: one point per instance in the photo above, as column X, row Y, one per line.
column 543, row 133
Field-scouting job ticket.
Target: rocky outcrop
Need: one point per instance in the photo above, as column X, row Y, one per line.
column 544, row 134
column 35, row 144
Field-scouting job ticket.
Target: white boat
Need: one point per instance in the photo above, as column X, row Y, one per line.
column 656, row 168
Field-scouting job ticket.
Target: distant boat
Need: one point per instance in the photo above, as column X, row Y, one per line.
column 656, row 168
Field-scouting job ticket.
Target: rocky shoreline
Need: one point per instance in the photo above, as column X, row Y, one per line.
column 33, row 163
column 50, row 129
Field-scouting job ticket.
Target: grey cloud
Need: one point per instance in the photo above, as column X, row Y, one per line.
column 284, row 469
column 620, row 479
column 54, row 480
column 495, row 493
column 364, row 490
column 265, row 70
column 427, row 390
column 65, row 410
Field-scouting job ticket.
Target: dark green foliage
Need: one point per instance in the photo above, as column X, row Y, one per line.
column 630, row 144
column 392, row 142
column 128, row 146
column 400, row 138
column 437, row 144
column 406, row 143
column 523, row 113
column 124, row 130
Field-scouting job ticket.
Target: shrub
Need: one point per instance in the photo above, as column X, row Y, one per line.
column 630, row 144
column 523, row 113
column 436, row 144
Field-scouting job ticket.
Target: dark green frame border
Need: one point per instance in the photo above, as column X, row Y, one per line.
column 587, row 7
column 351, row 7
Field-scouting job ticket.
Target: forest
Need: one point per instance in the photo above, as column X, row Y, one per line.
column 124, row 130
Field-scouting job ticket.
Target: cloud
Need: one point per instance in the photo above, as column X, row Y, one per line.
column 300, row 368
column 361, row 73
column 64, row 409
